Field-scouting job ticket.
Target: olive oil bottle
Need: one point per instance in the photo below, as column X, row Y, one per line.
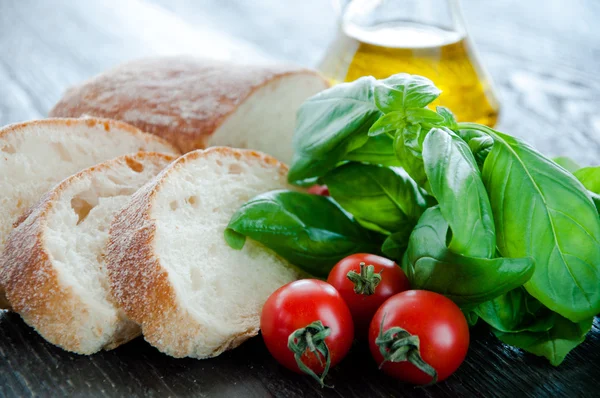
column 440, row 52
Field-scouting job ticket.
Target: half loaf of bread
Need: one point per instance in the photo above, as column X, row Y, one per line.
column 56, row 276
column 196, row 103
column 169, row 266
column 36, row 155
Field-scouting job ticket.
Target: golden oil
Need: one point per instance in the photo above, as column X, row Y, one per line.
column 441, row 55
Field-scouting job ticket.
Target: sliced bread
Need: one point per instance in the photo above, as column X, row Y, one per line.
column 55, row 273
column 196, row 103
column 36, row 155
column 169, row 266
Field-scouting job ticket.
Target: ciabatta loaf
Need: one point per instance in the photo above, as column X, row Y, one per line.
column 36, row 155
column 169, row 266
column 56, row 277
column 197, row 103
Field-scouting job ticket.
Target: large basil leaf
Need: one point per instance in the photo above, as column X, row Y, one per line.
column 310, row 231
column 554, row 343
column 331, row 124
column 590, row 178
column 468, row 281
column 456, row 183
column 377, row 150
column 516, row 311
column 542, row 211
column 383, row 199
column 403, row 91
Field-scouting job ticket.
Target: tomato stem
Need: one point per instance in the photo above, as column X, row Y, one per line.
column 366, row 282
column 311, row 338
column 398, row 345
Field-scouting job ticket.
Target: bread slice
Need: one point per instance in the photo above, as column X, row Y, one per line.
column 56, row 277
column 36, row 155
column 169, row 266
column 197, row 103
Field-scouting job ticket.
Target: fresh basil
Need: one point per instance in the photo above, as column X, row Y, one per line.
column 388, row 124
column 554, row 343
column 377, row 150
column 590, row 178
column 408, row 147
column 448, row 116
column 456, row 183
column 402, row 91
column 424, row 117
column 479, row 143
column 567, row 163
column 331, row 124
column 395, row 244
column 468, row 281
column 542, row 211
column 516, row 311
column 383, row 199
column 310, row 231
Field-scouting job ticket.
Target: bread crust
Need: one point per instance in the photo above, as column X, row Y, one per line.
column 32, row 284
column 107, row 124
column 65, row 124
column 139, row 282
column 181, row 99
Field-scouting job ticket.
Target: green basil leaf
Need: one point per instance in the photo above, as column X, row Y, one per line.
column 423, row 116
column 516, row 311
column 479, row 143
column 596, row 198
column 554, row 344
column 382, row 199
column 456, row 183
column 471, row 317
column 377, row 150
column 542, row 211
column 402, row 91
column 395, row 245
column 388, row 124
column 590, row 178
column 448, row 116
column 468, row 281
column 310, row 231
column 408, row 148
column 331, row 124
column 567, row 163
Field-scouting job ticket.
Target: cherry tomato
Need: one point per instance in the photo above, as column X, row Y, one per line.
column 365, row 281
column 443, row 336
column 319, row 190
column 317, row 317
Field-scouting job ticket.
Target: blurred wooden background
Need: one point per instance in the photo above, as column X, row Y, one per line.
column 544, row 56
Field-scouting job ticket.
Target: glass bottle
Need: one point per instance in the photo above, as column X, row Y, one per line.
column 423, row 37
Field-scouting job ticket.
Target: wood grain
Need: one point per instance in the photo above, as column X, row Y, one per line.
column 544, row 56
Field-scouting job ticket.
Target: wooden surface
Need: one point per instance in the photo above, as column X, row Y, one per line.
column 544, row 56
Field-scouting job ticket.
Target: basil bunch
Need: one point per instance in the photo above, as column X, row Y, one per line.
column 479, row 216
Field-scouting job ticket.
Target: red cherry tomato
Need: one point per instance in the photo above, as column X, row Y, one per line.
column 319, row 190
column 308, row 309
column 443, row 336
column 365, row 281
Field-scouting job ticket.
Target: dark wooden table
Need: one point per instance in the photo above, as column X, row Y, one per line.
column 544, row 56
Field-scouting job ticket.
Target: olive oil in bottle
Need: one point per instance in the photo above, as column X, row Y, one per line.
column 442, row 55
